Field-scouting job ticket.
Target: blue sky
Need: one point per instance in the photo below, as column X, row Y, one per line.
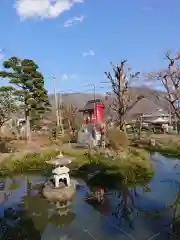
column 76, row 39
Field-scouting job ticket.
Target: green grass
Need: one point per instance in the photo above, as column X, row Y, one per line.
column 98, row 170
column 167, row 149
column 135, row 168
column 167, row 145
column 172, row 149
column 17, row 163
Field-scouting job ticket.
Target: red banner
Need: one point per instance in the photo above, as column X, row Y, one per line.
column 98, row 113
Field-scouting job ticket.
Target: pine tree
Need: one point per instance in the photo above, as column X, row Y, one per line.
column 30, row 90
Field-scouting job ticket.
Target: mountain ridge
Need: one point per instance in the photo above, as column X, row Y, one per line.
column 147, row 105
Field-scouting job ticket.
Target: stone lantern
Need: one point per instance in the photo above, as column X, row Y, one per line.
column 61, row 172
column 59, row 186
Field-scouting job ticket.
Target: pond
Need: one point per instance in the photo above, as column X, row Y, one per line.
column 137, row 213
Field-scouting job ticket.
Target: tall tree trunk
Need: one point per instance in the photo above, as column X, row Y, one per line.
column 122, row 123
column 28, row 129
column 1, row 130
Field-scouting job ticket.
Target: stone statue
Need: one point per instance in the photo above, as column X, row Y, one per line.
column 60, row 187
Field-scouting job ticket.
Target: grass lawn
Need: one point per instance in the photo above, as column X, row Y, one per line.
column 166, row 144
column 136, row 166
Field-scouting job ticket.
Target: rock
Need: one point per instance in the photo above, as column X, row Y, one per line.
column 60, row 194
column 152, row 142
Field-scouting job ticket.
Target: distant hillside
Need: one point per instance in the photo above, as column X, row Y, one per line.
column 147, row 105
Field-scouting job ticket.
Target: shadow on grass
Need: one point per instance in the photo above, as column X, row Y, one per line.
column 111, row 177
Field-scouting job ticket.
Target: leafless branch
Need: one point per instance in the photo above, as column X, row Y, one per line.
column 120, row 82
column 170, row 80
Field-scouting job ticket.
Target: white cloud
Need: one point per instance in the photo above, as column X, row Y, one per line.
column 89, row 53
column 43, row 8
column 66, row 77
column 72, row 21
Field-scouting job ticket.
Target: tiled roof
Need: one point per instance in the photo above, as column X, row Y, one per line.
column 90, row 104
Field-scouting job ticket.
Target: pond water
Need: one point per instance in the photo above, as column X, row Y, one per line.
column 130, row 213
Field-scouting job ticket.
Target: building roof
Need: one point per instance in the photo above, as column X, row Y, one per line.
column 90, row 105
column 157, row 113
column 147, row 106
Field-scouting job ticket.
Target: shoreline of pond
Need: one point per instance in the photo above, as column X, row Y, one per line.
column 145, row 203
column 169, row 149
column 135, row 168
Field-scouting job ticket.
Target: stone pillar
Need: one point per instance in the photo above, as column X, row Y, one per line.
column 56, row 178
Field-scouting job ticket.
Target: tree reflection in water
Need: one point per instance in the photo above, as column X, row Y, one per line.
column 30, row 217
column 175, row 226
column 17, row 225
column 126, row 208
column 4, row 196
column 17, row 222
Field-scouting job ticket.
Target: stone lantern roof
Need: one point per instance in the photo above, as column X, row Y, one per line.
column 61, row 160
column 61, row 170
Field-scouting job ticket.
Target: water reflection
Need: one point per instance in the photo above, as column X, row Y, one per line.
column 28, row 216
column 126, row 207
column 62, row 217
column 17, row 225
column 146, row 207
column 130, row 212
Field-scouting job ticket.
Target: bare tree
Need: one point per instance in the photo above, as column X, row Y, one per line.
column 121, row 82
column 69, row 114
column 170, row 80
